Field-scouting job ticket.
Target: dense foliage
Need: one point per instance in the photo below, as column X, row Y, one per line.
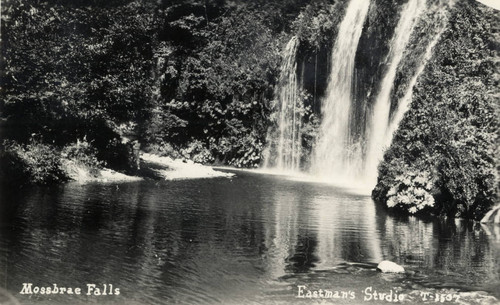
column 187, row 78
column 74, row 71
column 218, row 88
column 39, row 162
column 447, row 144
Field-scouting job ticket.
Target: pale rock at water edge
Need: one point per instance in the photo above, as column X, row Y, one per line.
column 390, row 267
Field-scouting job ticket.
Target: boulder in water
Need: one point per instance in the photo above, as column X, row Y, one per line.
column 390, row 267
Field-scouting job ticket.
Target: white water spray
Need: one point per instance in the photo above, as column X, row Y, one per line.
column 379, row 122
column 285, row 148
column 337, row 157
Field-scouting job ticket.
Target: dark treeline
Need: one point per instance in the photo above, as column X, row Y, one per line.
column 86, row 81
column 189, row 79
column 192, row 79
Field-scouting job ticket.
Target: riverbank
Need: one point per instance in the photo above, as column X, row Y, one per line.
column 45, row 164
column 151, row 166
column 174, row 169
column 81, row 174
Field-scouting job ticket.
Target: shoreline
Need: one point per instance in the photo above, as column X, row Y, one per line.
column 177, row 169
column 158, row 167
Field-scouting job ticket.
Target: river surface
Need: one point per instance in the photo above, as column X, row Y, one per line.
column 250, row 239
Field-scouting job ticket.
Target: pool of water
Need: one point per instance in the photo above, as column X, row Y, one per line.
column 250, row 239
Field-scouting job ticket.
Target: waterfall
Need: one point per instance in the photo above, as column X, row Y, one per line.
column 337, row 156
column 285, row 149
column 341, row 155
column 404, row 104
column 379, row 123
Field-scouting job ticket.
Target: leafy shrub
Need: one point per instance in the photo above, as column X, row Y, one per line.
column 240, row 149
column 164, row 150
column 317, row 23
column 197, row 152
column 35, row 162
column 84, row 155
column 411, row 191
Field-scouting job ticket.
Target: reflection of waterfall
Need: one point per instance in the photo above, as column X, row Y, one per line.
column 336, row 154
column 380, row 117
column 284, row 151
column 304, row 231
column 283, row 234
column 346, row 239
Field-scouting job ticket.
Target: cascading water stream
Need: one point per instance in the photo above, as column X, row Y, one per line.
column 285, row 148
column 340, row 156
column 404, row 103
column 379, row 122
column 337, row 156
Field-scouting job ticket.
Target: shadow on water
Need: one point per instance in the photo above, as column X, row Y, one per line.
column 251, row 238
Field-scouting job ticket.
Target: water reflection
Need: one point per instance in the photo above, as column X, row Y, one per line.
column 346, row 230
column 242, row 240
column 281, row 232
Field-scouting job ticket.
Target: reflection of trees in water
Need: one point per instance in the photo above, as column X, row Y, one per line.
column 220, row 236
column 403, row 241
column 464, row 247
column 493, row 233
column 295, row 243
column 454, row 248
column 304, row 256
column 137, row 235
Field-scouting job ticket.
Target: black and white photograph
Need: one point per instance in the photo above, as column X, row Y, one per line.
column 249, row 152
